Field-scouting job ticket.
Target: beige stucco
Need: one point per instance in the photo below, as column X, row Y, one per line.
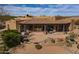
column 11, row 24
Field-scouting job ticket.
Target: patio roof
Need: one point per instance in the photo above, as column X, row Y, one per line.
column 44, row 21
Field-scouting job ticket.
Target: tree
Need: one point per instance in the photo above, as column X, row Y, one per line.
column 29, row 15
column 11, row 38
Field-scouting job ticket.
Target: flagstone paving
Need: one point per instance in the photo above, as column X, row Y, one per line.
column 48, row 48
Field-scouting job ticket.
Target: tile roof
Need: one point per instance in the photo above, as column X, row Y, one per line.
column 44, row 21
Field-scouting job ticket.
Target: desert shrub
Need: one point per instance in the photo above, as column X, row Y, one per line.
column 76, row 42
column 78, row 27
column 11, row 38
column 53, row 41
column 78, row 46
column 72, row 34
column 71, row 38
column 69, row 44
column 36, row 43
column 38, row 46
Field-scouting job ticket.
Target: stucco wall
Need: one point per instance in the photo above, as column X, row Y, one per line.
column 11, row 24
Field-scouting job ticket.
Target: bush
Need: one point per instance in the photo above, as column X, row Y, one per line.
column 78, row 46
column 71, row 37
column 69, row 44
column 36, row 43
column 11, row 38
column 53, row 41
column 37, row 46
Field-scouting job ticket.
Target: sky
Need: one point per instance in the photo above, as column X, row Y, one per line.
column 42, row 9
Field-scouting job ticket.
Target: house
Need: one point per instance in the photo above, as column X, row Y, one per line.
column 41, row 23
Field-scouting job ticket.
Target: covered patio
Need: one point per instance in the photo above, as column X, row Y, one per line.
column 43, row 25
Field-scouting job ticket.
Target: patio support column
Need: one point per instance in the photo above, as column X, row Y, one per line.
column 55, row 27
column 63, row 28
column 44, row 27
column 24, row 28
column 33, row 27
